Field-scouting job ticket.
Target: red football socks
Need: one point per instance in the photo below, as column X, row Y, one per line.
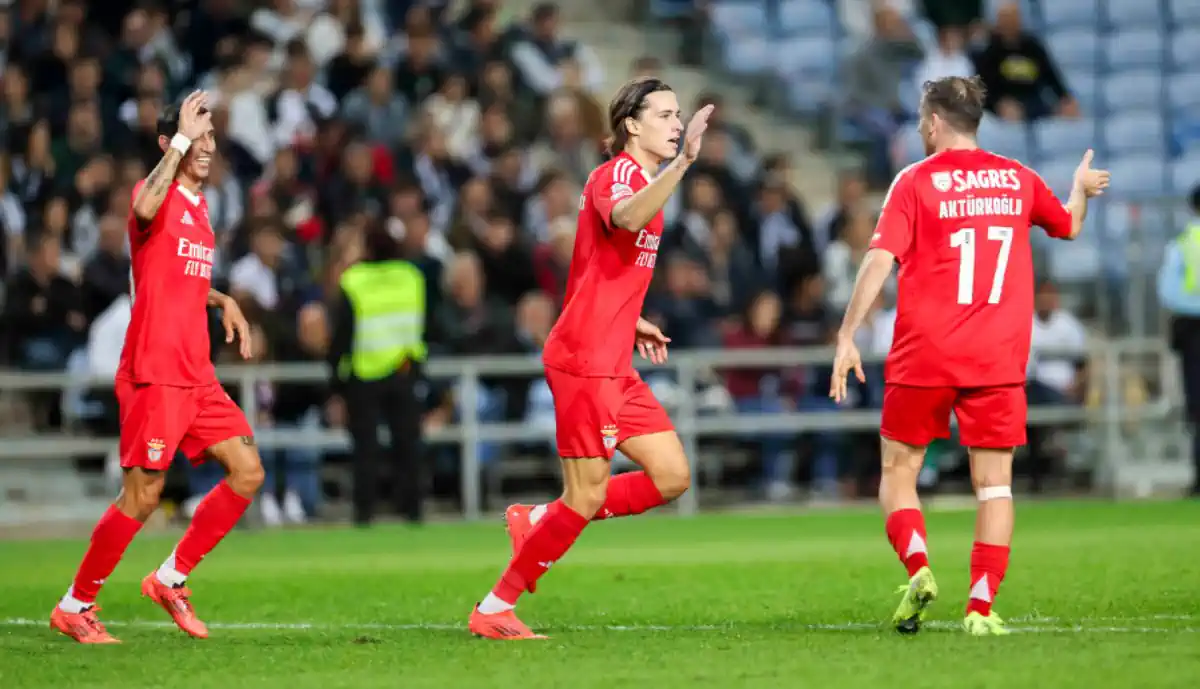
column 112, row 535
column 988, row 564
column 216, row 515
column 906, row 531
column 628, row 494
column 548, row 540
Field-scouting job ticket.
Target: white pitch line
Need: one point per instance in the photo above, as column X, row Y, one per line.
column 1028, row 626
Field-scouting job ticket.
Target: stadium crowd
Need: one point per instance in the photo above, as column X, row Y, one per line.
column 469, row 137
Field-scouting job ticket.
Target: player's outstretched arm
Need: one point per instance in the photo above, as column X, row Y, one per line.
column 635, row 212
column 193, row 120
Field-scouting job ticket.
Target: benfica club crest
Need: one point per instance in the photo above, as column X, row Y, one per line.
column 610, row 436
column 941, row 181
column 154, row 450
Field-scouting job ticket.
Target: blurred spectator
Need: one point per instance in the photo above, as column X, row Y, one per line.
column 733, row 275
column 856, row 14
column 949, row 60
column 507, row 262
column 43, row 315
column 963, row 14
column 842, row 258
column 377, row 108
column 850, row 199
column 106, row 337
column 350, row 68
column 254, row 278
column 12, row 223
column 296, row 109
column 1023, row 83
column 420, row 73
column 874, row 74
column 539, row 54
column 554, row 198
column 685, row 306
column 742, row 155
column 452, row 111
column 106, row 273
column 784, row 236
column 566, row 148
column 1057, row 370
column 757, row 390
column 469, row 320
column 552, row 259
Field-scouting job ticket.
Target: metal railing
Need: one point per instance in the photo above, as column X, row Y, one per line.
column 689, row 368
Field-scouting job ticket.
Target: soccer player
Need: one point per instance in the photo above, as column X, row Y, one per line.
column 166, row 386
column 600, row 402
column 958, row 222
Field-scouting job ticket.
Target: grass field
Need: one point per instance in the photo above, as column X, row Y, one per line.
column 1103, row 595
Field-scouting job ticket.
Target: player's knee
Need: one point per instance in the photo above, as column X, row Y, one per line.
column 140, row 494
column 673, row 481
column 585, row 497
column 246, row 478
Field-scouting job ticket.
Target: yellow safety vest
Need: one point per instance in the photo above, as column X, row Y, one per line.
column 1189, row 247
column 388, row 298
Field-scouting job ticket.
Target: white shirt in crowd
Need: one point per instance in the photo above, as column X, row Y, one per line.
column 1057, row 345
column 938, row 65
column 250, row 275
column 106, row 337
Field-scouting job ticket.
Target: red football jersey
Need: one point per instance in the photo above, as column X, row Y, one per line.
column 167, row 341
column 610, row 272
column 958, row 222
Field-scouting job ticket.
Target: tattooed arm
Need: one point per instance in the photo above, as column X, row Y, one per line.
column 154, row 190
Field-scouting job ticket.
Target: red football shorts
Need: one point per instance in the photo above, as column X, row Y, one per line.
column 991, row 417
column 157, row 420
column 594, row 415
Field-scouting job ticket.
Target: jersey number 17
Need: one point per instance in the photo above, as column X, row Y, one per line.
column 964, row 241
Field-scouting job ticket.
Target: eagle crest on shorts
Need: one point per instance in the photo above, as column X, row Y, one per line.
column 610, row 436
column 154, row 450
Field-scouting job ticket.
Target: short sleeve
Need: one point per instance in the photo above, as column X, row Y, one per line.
column 898, row 219
column 612, row 184
column 1048, row 212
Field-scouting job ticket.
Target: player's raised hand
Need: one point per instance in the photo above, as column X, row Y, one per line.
column 845, row 360
column 192, row 122
column 651, row 342
column 236, row 326
column 695, row 132
column 1092, row 182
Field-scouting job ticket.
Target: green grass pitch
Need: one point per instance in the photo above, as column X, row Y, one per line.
column 1103, row 595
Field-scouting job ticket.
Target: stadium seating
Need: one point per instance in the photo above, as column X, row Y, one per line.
column 1132, row 91
column 1128, row 14
column 1133, row 65
column 1075, row 13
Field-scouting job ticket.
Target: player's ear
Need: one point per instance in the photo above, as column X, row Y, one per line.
column 163, row 143
column 632, row 125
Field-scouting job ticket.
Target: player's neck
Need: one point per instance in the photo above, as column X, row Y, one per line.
column 192, row 185
column 649, row 162
column 958, row 143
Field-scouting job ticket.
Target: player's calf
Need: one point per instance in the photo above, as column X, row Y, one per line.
column 991, row 476
column 905, row 525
